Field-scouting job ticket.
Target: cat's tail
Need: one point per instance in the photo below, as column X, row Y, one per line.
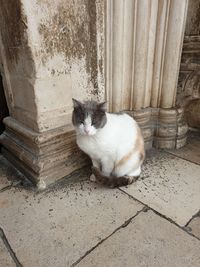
column 113, row 181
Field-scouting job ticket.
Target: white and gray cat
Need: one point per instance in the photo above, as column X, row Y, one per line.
column 113, row 142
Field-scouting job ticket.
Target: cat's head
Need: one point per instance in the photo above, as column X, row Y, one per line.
column 88, row 117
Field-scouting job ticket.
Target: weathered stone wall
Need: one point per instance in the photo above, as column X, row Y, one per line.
column 193, row 18
column 54, row 49
column 189, row 76
column 67, row 40
column 18, row 69
column 51, row 51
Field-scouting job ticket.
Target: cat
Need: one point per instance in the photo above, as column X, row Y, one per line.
column 113, row 142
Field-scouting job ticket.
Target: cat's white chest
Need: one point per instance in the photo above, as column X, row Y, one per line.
column 90, row 146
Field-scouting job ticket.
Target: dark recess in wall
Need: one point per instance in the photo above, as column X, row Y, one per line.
column 3, row 106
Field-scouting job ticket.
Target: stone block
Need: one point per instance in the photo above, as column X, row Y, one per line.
column 42, row 157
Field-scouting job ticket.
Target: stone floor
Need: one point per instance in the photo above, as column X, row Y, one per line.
column 154, row 222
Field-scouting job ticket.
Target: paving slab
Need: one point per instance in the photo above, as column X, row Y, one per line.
column 5, row 258
column 148, row 240
column 169, row 185
column 191, row 151
column 8, row 174
column 56, row 227
column 194, row 225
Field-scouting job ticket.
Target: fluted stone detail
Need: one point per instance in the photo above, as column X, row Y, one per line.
column 144, row 43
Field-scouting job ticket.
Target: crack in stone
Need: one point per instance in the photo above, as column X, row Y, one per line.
column 194, row 216
column 125, row 224
column 10, row 250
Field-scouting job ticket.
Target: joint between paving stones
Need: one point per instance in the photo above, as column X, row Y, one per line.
column 184, row 228
column 125, row 224
column 181, row 158
column 9, row 248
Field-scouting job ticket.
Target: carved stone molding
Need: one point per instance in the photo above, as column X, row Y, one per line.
column 189, row 76
column 42, row 157
column 143, row 51
column 192, row 113
column 163, row 128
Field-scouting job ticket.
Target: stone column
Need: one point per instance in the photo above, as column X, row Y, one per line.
column 51, row 51
column 143, row 49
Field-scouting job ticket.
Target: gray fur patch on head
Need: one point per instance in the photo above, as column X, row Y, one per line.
column 97, row 112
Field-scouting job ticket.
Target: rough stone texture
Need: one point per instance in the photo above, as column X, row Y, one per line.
column 189, row 76
column 148, row 240
column 191, row 151
column 192, row 113
column 57, row 227
column 8, row 174
column 194, row 225
column 193, row 18
column 168, row 185
column 5, row 258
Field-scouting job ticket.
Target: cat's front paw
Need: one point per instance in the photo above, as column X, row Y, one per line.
column 93, row 178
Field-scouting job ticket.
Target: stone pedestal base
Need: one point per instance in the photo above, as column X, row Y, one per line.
column 162, row 128
column 42, row 157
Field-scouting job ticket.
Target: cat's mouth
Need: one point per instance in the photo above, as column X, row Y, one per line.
column 89, row 134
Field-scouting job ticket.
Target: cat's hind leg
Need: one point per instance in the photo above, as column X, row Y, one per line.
column 134, row 175
column 128, row 167
column 136, row 172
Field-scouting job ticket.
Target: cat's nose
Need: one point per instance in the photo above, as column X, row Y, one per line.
column 87, row 131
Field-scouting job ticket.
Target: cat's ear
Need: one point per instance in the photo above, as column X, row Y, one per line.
column 76, row 103
column 102, row 106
